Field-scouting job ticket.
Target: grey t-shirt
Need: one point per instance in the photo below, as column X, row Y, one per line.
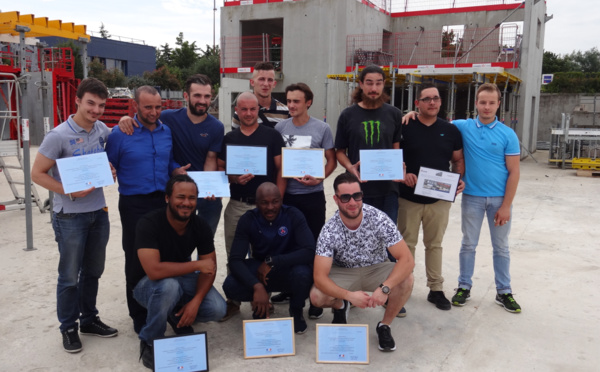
column 314, row 134
column 67, row 140
column 362, row 247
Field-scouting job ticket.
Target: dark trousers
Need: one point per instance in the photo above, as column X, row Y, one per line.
column 131, row 209
column 312, row 207
column 296, row 280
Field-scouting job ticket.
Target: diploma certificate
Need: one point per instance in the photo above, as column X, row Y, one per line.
column 381, row 165
column 79, row 173
column 347, row 343
column 211, row 183
column 267, row 338
column 246, row 159
column 298, row 163
column 181, row 353
column 437, row 184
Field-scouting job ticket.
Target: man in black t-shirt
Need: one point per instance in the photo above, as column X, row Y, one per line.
column 434, row 143
column 243, row 187
column 176, row 289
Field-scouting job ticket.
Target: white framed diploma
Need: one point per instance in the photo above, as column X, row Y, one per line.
column 267, row 338
column 211, row 183
column 343, row 343
column 297, row 163
column 437, row 184
column 181, row 353
column 79, row 173
column 246, row 159
column 381, row 165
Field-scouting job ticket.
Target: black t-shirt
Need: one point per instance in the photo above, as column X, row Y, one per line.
column 262, row 136
column 369, row 129
column 427, row 146
column 154, row 231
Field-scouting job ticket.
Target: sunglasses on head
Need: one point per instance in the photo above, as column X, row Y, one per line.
column 345, row 198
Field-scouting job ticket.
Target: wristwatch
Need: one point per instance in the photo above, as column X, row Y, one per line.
column 269, row 261
column 385, row 289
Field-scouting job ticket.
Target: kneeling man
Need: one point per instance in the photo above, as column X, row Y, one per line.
column 176, row 288
column 351, row 257
column 282, row 249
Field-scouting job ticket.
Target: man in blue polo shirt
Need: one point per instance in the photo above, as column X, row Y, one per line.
column 144, row 163
column 492, row 156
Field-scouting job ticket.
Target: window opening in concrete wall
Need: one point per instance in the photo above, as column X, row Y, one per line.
column 262, row 41
column 452, row 41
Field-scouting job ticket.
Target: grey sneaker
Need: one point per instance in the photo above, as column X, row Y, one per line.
column 71, row 341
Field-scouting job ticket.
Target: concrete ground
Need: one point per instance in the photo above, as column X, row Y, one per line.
column 555, row 271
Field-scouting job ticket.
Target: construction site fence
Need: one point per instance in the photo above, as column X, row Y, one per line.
column 246, row 51
column 435, row 47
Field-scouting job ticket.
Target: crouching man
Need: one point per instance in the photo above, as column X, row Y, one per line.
column 282, row 249
column 176, row 289
column 351, row 257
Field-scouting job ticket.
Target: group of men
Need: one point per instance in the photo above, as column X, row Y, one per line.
column 277, row 238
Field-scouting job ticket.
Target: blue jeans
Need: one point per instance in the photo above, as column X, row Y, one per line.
column 210, row 210
column 388, row 204
column 296, row 280
column 473, row 210
column 82, row 239
column 160, row 297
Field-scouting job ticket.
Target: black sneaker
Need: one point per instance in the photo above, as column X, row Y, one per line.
column 173, row 320
column 71, row 341
column 281, row 298
column 401, row 313
column 508, row 302
column 439, row 300
column 386, row 341
column 340, row 316
column 300, row 326
column 147, row 354
column 98, row 328
column 314, row 312
column 461, row 297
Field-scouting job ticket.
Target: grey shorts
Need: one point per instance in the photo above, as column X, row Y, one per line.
column 366, row 278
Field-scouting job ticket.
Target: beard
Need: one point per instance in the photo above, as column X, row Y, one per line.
column 374, row 102
column 176, row 215
column 197, row 110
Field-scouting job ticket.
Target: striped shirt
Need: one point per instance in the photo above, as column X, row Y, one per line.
column 268, row 116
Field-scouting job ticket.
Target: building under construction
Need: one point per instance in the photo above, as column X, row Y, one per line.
column 456, row 44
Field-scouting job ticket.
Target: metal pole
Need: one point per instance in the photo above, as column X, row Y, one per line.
column 393, row 84
column 27, row 182
column 325, row 106
column 214, row 22
column 83, row 42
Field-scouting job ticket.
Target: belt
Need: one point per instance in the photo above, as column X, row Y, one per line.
column 248, row 200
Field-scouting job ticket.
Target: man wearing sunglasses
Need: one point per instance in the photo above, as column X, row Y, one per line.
column 351, row 258
column 428, row 141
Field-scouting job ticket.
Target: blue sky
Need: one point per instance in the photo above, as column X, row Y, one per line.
column 575, row 25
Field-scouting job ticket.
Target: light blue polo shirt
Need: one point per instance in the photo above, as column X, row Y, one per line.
column 485, row 147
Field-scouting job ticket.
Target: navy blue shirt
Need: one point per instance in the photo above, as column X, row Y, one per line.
column 144, row 160
column 287, row 240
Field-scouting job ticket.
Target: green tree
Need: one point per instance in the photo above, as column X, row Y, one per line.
column 163, row 78
column 185, row 54
column 164, row 55
column 104, row 32
column 588, row 61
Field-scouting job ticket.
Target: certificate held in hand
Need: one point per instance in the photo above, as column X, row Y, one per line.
column 79, row 173
column 246, row 159
column 381, row 165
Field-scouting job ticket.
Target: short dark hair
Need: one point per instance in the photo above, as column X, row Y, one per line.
column 93, row 86
column 426, row 86
column 308, row 94
column 178, row 179
column 264, row 66
column 196, row 79
column 345, row 177
column 145, row 89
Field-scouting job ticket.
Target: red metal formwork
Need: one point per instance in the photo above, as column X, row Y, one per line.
column 397, row 7
column 240, row 54
column 439, row 48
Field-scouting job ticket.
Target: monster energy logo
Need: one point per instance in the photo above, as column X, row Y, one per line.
column 370, row 127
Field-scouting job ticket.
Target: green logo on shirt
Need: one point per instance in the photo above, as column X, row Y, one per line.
column 370, row 127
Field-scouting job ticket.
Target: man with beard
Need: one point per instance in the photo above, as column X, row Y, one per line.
column 243, row 187
column 197, row 137
column 351, row 257
column 142, row 180
column 271, row 111
column 281, row 254
column 175, row 285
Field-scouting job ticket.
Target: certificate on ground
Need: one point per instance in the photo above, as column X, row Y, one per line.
column 211, row 183
column 437, row 184
column 381, row 165
column 181, row 353
column 343, row 343
column 266, row 338
column 79, row 173
column 298, row 163
column 246, row 159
